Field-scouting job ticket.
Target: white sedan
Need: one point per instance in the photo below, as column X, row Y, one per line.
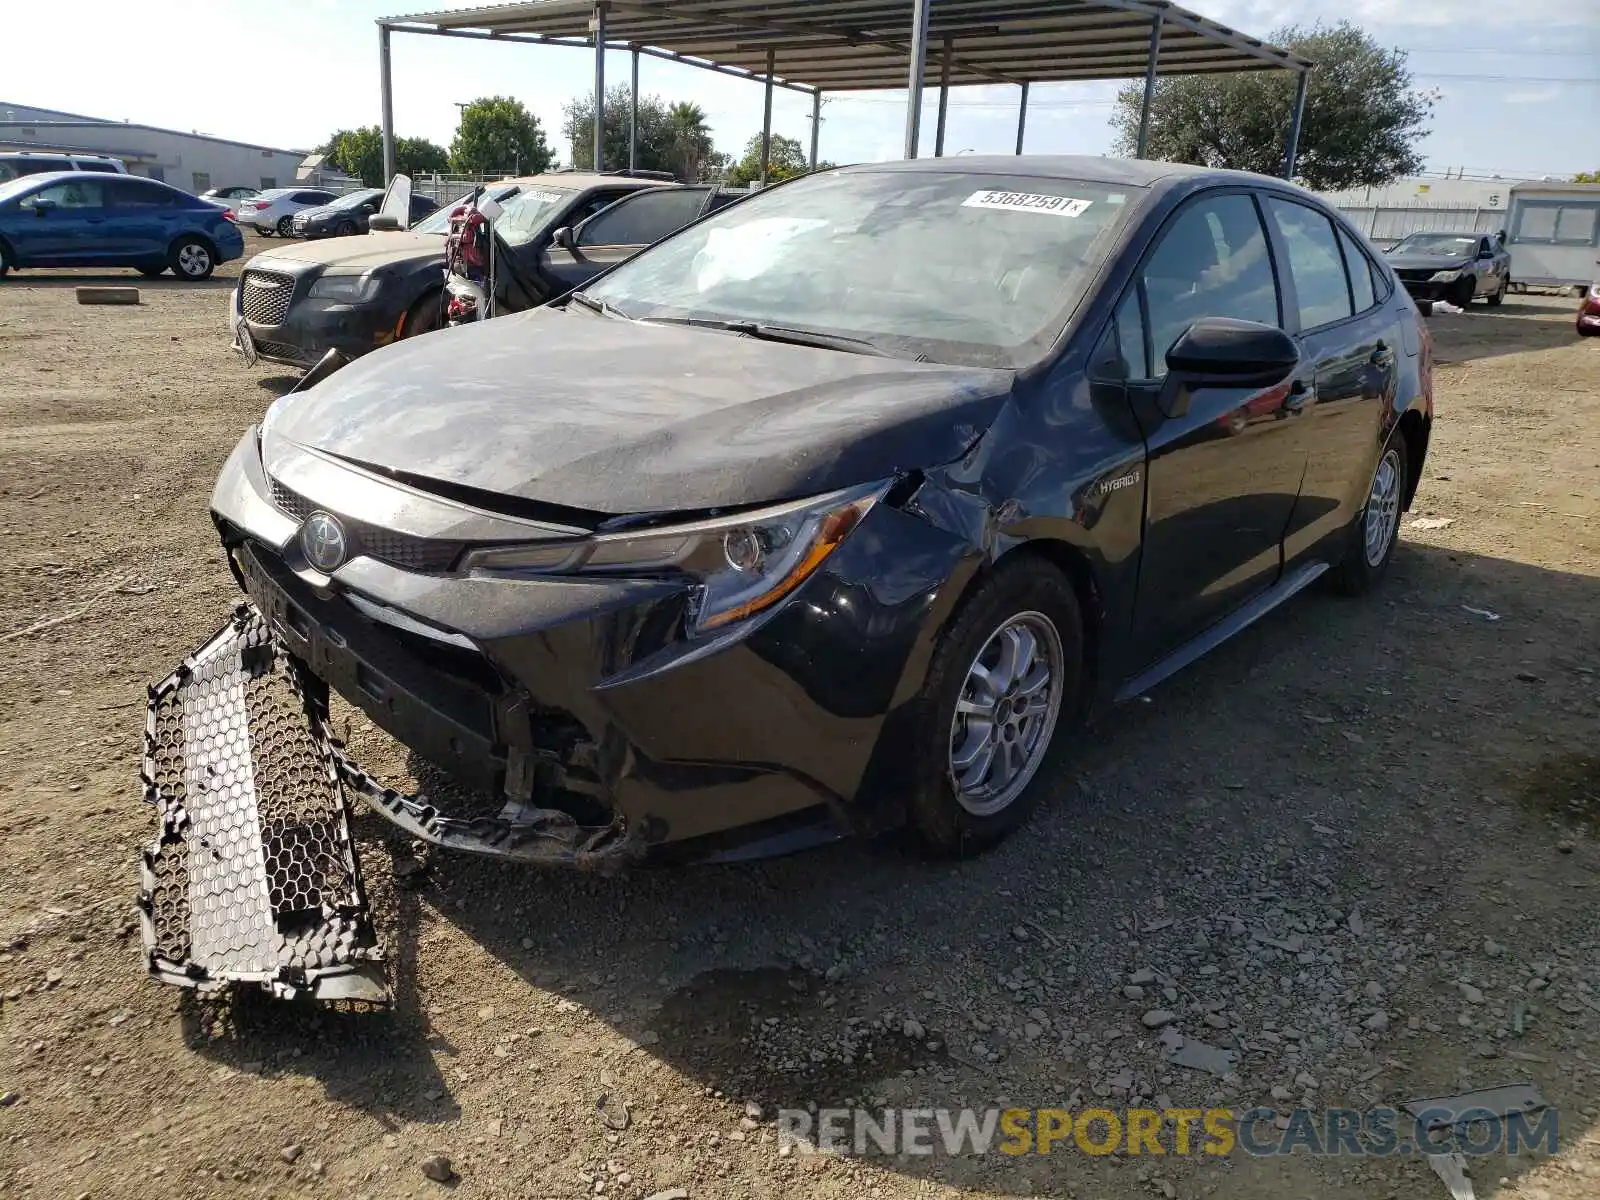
column 272, row 212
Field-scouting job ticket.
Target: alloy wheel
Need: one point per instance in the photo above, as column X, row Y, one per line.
column 1383, row 506
column 1005, row 714
column 193, row 260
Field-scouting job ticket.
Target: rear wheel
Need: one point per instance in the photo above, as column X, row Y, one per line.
column 192, row 259
column 5, row 260
column 285, row 227
column 1005, row 674
column 1497, row 297
column 1377, row 529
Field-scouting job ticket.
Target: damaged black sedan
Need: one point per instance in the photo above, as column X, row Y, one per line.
column 827, row 514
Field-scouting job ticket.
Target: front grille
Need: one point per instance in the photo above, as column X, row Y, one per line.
column 424, row 555
column 265, row 297
column 1416, row 276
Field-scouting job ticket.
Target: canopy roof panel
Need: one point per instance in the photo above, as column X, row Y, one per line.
column 845, row 45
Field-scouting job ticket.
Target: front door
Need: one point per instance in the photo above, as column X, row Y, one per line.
column 1225, row 465
column 66, row 225
column 619, row 232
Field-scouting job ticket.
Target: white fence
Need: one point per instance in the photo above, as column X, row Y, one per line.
column 1385, row 225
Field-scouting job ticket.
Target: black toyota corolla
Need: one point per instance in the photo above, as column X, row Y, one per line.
column 833, row 511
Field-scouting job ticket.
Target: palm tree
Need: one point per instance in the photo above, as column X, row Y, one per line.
column 691, row 139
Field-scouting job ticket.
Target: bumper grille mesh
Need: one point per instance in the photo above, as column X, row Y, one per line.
column 426, row 555
column 265, row 296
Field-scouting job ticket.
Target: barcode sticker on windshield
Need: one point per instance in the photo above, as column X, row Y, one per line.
column 1061, row 206
column 547, row 196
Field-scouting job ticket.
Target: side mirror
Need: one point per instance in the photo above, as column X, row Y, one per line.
column 42, row 206
column 565, row 238
column 1224, row 350
column 384, row 223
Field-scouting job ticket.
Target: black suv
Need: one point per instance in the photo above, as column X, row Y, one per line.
column 296, row 302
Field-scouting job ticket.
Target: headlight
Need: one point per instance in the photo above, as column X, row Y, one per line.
column 348, row 289
column 740, row 564
column 1445, row 276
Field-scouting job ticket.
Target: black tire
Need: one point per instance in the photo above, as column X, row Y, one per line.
column 285, row 227
column 1499, row 295
column 192, row 259
column 1462, row 291
column 153, row 272
column 5, row 260
column 1030, row 590
column 424, row 316
column 346, row 229
column 1360, row 568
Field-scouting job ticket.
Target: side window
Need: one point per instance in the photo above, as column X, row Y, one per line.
column 1319, row 279
column 71, row 193
column 104, row 168
column 645, row 218
column 1211, row 262
column 129, row 194
column 1360, row 270
column 598, row 202
column 1130, row 337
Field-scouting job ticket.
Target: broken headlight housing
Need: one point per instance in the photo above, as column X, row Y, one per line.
column 741, row 564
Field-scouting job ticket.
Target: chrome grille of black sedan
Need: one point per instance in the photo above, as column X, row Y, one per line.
column 265, row 296
column 425, row 555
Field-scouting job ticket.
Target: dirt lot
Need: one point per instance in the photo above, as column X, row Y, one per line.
column 1356, row 808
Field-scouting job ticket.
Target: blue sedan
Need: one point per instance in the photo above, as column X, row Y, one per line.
column 78, row 219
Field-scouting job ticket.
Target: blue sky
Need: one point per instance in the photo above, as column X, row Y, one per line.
column 287, row 73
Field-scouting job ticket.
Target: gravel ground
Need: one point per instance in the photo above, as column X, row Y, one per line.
column 1355, row 846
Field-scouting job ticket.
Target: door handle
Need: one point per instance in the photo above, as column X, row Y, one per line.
column 1300, row 394
column 1382, row 356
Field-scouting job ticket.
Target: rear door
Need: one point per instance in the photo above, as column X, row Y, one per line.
column 1349, row 336
column 140, row 217
column 65, row 224
column 625, row 228
column 1224, row 472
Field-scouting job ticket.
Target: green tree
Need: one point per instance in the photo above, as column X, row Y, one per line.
column 498, row 133
column 1363, row 118
column 359, row 152
column 1586, row 177
column 665, row 142
column 785, row 160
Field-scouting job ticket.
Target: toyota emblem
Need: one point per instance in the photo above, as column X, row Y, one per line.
column 322, row 541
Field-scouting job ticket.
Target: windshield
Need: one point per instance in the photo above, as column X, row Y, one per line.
column 356, row 199
column 529, row 214
column 439, row 220
column 960, row 268
column 11, row 187
column 1454, row 245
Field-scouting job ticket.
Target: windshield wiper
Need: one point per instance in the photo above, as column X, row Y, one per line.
column 603, row 307
column 780, row 333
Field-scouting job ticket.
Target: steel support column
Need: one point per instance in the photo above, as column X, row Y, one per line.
column 1292, row 150
column 1149, row 86
column 766, row 117
column 919, row 64
column 816, row 125
column 633, row 116
column 386, row 92
column 599, row 26
column 944, row 97
column 1022, row 116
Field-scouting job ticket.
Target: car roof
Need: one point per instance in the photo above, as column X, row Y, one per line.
column 577, row 181
column 1128, row 172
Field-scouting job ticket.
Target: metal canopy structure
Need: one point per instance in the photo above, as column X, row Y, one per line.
column 817, row 46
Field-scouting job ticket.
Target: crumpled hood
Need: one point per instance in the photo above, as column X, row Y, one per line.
column 356, row 253
column 615, row 417
column 1427, row 262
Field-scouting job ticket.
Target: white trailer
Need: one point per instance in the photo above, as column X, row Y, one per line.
column 1555, row 234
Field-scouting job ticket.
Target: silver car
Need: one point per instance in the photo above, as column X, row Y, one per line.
column 272, row 212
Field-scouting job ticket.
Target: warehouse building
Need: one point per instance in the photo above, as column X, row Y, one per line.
column 194, row 162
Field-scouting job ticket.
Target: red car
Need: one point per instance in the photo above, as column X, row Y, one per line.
column 1589, row 313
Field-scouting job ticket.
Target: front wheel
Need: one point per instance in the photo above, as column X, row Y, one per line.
column 1005, row 676
column 192, row 259
column 5, row 261
column 1377, row 529
column 346, row 229
column 1462, row 292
